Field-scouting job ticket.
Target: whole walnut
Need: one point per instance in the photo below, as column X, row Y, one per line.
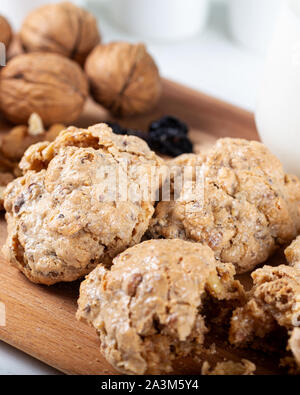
column 48, row 84
column 124, row 78
column 61, row 28
column 5, row 32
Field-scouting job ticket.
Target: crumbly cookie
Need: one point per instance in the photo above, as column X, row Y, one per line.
column 62, row 217
column 229, row 368
column 273, row 303
column 292, row 253
column 247, row 208
column 149, row 308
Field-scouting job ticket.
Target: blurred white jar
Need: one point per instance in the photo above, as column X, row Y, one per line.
column 161, row 19
column 252, row 22
column 278, row 111
column 16, row 10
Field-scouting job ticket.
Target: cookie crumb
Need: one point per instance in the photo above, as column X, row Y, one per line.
column 229, row 368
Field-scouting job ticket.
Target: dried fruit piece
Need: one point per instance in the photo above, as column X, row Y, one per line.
column 124, row 78
column 61, row 28
column 169, row 136
column 117, row 129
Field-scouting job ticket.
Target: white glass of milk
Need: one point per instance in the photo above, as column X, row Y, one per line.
column 278, row 110
column 160, row 19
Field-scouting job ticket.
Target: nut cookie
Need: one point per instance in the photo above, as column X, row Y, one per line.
column 273, row 304
column 149, row 308
column 62, row 218
column 292, row 253
column 294, row 347
column 248, row 206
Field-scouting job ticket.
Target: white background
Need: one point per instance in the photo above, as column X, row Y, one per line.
column 210, row 62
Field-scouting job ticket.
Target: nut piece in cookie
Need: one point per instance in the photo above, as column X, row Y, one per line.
column 273, row 304
column 247, row 206
column 292, row 253
column 149, row 308
column 65, row 215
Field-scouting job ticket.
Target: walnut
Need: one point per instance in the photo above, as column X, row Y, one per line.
column 49, row 84
column 124, row 78
column 5, row 32
column 35, row 125
column 15, row 47
column 61, row 28
column 5, row 179
column 54, row 131
column 15, row 143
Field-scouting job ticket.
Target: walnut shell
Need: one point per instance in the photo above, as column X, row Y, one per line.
column 49, row 84
column 15, row 47
column 5, row 32
column 124, row 78
column 61, row 28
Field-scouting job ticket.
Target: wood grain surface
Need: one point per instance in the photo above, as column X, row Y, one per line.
column 41, row 320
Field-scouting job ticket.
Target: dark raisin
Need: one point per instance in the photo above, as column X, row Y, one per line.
column 117, row 129
column 169, row 136
column 169, row 122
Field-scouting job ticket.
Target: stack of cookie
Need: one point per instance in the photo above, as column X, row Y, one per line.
column 86, row 205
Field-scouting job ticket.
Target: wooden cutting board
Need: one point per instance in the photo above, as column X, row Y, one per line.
column 41, row 320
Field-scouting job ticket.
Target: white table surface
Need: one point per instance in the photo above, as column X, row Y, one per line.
column 211, row 63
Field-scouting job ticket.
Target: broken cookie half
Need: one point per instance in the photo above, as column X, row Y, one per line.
column 271, row 317
column 149, row 308
column 292, row 253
